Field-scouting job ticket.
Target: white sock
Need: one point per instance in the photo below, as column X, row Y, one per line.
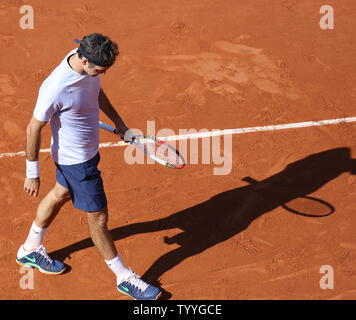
column 117, row 266
column 34, row 238
column 21, row 252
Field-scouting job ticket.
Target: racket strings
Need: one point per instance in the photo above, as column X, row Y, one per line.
column 165, row 153
column 162, row 151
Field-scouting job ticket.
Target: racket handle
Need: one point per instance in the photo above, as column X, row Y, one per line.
column 113, row 130
column 107, row 127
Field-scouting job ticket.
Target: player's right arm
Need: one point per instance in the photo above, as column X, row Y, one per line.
column 33, row 144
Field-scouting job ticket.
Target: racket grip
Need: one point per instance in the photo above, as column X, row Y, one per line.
column 107, row 127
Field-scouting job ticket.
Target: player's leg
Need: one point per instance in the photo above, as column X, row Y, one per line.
column 97, row 222
column 46, row 212
column 32, row 253
column 127, row 281
column 50, row 205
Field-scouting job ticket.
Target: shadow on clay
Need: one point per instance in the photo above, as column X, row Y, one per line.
column 229, row 213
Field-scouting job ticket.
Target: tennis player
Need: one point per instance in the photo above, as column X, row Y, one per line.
column 70, row 99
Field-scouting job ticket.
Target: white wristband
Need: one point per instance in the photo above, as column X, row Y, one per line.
column 32, row 169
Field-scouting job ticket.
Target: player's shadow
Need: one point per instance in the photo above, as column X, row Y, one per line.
column 228, row 213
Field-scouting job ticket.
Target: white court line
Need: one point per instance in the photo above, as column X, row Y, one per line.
column 218, row 133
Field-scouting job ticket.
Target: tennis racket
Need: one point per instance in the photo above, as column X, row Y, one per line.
column 157, row 149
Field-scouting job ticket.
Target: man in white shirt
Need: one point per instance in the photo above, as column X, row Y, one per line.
column 70, row 99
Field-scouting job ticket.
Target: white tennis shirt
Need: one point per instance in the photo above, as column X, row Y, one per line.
column 69, row 100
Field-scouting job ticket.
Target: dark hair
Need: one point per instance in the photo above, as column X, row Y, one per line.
column 100, row 48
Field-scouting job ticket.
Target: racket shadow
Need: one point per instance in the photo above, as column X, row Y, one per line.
column 229, row 213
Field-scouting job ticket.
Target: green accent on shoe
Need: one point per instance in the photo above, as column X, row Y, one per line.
column 31, row 259
column 125, row 288
column 33, row 265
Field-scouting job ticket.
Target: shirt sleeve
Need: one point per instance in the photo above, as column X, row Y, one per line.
column 47, row 103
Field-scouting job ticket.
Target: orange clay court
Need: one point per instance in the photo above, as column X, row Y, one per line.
column 263, row 231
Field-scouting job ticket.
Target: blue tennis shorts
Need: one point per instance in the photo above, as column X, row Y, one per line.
column 84, row 183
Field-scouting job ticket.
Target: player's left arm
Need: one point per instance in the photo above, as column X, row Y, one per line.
column 106, row 106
